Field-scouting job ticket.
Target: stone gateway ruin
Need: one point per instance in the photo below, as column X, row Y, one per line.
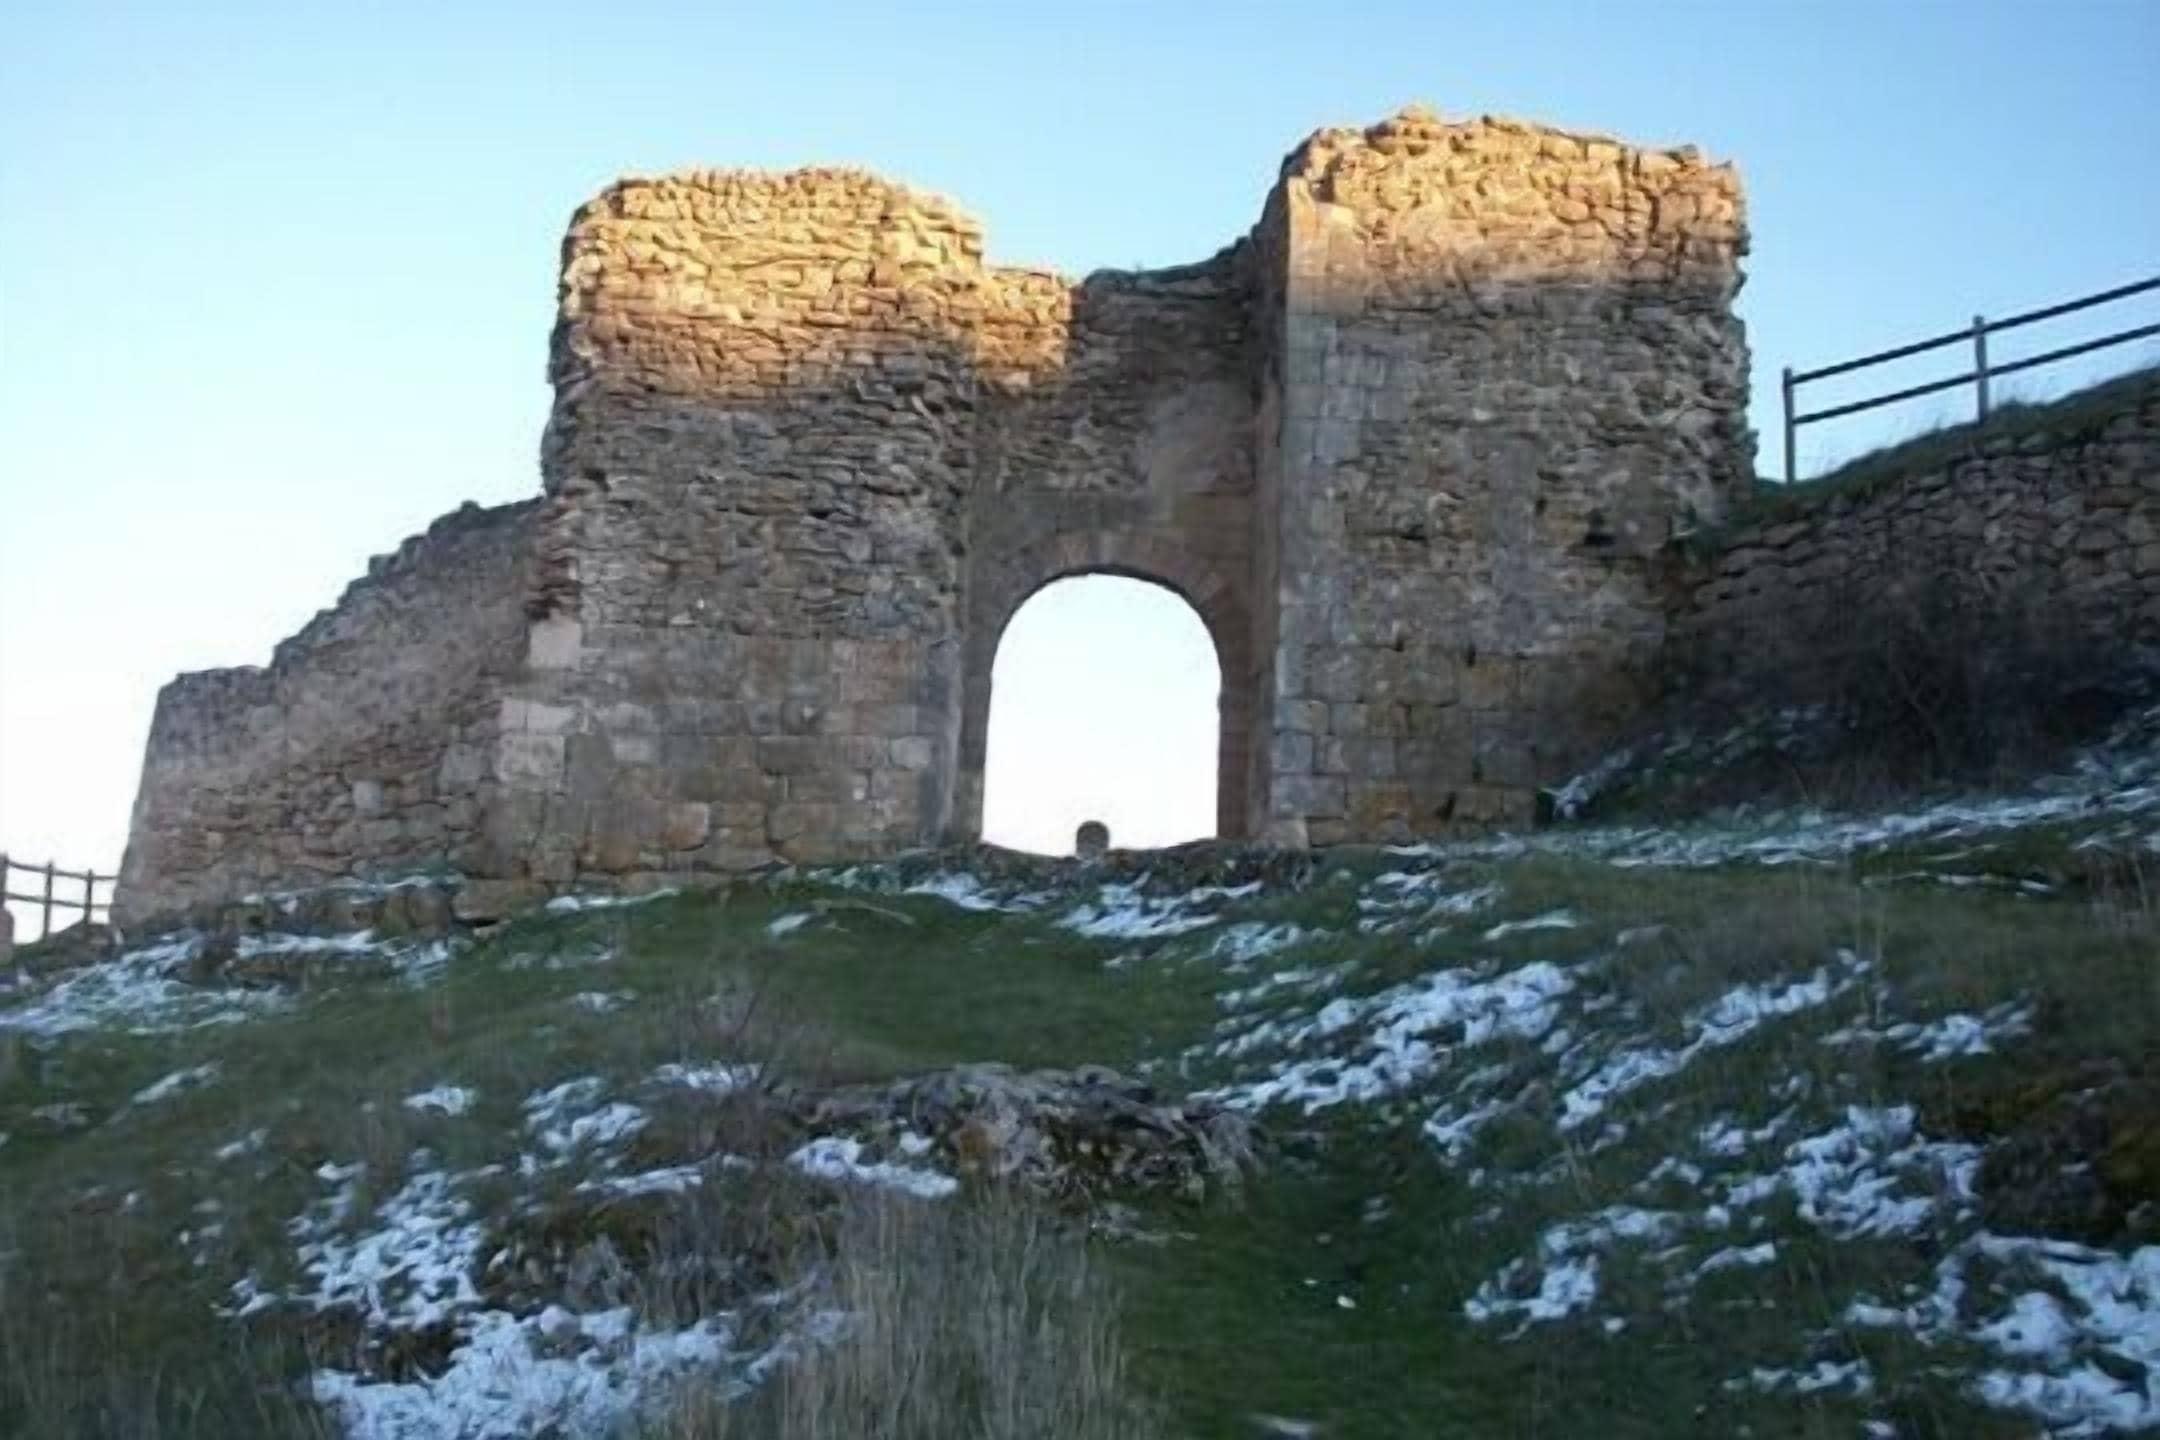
column 1412, row 448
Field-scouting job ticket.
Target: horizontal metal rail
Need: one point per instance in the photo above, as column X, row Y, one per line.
column 1977, row 377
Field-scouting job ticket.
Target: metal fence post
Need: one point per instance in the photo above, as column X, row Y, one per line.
column 1789, row 427
column 1980, row 362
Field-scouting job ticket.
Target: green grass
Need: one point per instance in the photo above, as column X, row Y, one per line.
column 1243, row 1316
column 1236, row 1312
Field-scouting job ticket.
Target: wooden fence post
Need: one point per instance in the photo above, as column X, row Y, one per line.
column 1980, row 362
column 48, row 903
column 89, row 896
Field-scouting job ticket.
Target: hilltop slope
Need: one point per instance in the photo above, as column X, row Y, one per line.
column 1807, row 1125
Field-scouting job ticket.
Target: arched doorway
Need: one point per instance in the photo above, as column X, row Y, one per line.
column 1105, row 704
column 1004, row 580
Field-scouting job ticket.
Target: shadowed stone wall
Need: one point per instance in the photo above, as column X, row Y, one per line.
column 1408, row 449
column 364, row 748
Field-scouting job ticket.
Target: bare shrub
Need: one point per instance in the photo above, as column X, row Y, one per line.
column 1950, row 680
column 1951, row 677
column 983, row 1319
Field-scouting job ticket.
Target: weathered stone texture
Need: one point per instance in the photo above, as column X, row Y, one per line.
column 1116, row 435
column 2062, row 523
column 1502, row 366
column 1408, row 449
column 365, row 746
column 747, row 628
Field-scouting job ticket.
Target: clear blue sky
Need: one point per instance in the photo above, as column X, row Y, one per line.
column 276, row 280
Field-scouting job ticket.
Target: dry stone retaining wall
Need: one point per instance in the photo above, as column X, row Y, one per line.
column 2060, row 525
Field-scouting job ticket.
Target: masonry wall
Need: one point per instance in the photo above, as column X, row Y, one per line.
column 1116, row 433
column 363, row 748
column 747, row 609
column 1507, row 367
column 2060, row 523
column 1411, row 449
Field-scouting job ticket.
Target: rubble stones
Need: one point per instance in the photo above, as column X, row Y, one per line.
column 1067, row 1135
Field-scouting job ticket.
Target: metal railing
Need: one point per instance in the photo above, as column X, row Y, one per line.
column 1977, row 336
column 48, row 898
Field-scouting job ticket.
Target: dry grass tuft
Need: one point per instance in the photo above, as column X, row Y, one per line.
column 984, row 1319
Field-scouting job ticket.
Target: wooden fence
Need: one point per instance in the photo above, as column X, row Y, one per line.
column 1977, row 336
column 50, row 888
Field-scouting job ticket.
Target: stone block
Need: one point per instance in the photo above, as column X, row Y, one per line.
column 791, row 822
column 791, row 755
column 685, row 825
column 1309, row 795
column 555, row 643
column 529, row 760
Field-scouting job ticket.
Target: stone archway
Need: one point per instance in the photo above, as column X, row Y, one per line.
column 1003, row 586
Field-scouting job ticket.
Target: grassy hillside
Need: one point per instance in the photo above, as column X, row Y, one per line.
column 1803, row 1127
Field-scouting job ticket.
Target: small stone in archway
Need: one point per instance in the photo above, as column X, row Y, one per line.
column 1091, row 839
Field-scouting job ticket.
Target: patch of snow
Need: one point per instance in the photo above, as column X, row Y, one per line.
column 668, row 1179
column 1414, row 897
column 601, row 1002
column 1551, row 920
column 412, row 1269
column 513, row 1377
column 1850, row 1179
column 711, row 1079
column 2091, row 1306
column 1126, row 912
column 1732, row 1017
column 194, row 1077
column 1251, row 940
column 1853, row 1376
column 967, row 891
column 572, row 904
column 274, row 942
column 1399, row 1036
column 575, row 959
column 558, row 1131
column 838, row 1158
column 789, row 923
column 1566, row 1261
column 443, row 1100
column 1563, row 1289
column 145, row 991
column 247, row 1144
column 1572, row 798
column 1946, row 1037
column 1281, row 981
column 1454, row 1131
column 1734, row 1257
